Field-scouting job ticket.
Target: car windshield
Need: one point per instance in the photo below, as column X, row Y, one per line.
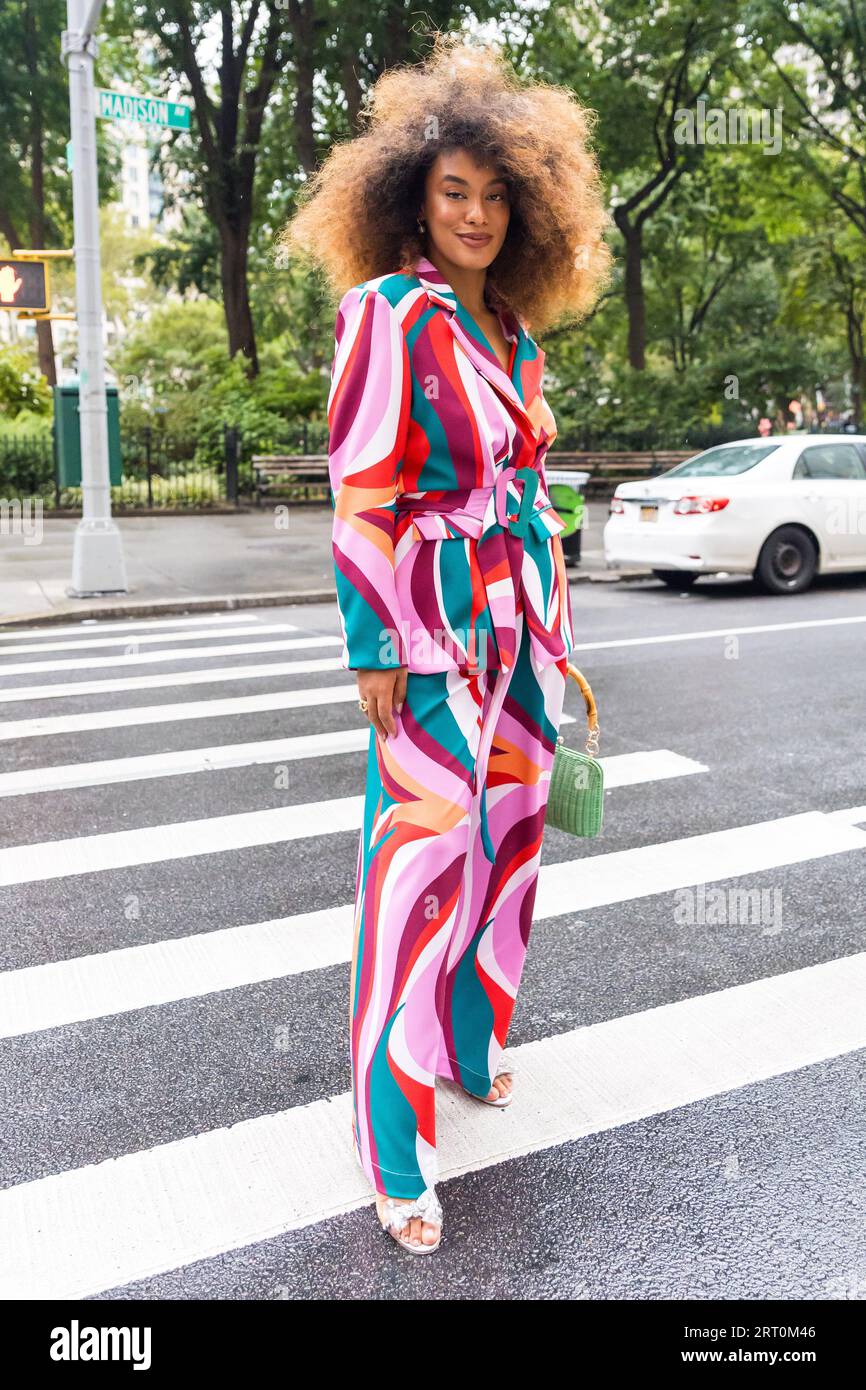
column 721, row 462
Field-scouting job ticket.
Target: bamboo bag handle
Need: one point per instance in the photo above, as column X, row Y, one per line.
column 591, row 710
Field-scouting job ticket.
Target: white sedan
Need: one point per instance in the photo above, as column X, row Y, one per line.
column 782, row 510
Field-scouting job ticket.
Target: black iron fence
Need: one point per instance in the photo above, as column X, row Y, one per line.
column 160, row 472
column 158, row 475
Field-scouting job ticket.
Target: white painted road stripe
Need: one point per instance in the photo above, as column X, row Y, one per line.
column 649, row 765
column 192, row 760
column 74, row 1234
column 622, row 770
column 87, row 663
column 717, row 632
column 215, row 675
column 171, row 714
column 853, row 815
column 14, row 729
column 720, row 854
column 140, row 977
column 84, row 627
column 242, row 628
column 183, row 840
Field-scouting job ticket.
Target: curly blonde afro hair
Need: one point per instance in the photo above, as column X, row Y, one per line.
column 357, row 216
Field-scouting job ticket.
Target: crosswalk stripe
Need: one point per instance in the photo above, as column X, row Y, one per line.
column 171, row 714
column 139, row 977
column 620, row 770
column 175, row 764
column 22, row 668
column 716, row 632
column 214, row 834
column 241, row 629
column 194, row 709
column 565, row 887
column 215, row 675
column 85, row 626
column 719, row 854
column 77, row 1233
column 852, row 815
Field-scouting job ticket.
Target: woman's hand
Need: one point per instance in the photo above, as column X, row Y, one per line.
column 384, row 691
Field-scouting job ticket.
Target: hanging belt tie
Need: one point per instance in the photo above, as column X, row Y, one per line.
column 518, row 524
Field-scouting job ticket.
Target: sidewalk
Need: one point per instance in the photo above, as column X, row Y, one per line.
column 205, row 562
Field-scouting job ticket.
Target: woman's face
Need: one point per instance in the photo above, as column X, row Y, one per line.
column 466, row 210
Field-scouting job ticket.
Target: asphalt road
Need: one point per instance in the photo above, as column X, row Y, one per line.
column 688, row 1119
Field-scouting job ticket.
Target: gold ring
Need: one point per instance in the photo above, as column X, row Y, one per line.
column 362, row 704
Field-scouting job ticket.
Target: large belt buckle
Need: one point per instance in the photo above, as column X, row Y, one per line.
column 519, row 525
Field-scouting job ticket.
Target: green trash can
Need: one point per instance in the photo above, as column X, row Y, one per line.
column 67, row 436
column 563, row 487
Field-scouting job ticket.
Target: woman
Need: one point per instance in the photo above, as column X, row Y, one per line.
column 468, row 208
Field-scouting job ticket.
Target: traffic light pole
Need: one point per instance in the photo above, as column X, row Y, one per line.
column 97, row 564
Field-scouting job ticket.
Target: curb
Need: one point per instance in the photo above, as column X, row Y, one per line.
column 216, row 603
column 154, row 608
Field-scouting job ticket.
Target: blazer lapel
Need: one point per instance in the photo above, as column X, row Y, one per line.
column 487, row 363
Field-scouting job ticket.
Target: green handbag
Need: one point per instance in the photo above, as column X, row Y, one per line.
column 575, row 802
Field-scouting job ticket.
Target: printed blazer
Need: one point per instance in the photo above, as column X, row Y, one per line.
column 442, row 523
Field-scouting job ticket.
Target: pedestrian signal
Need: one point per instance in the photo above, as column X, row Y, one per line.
column 24, row 285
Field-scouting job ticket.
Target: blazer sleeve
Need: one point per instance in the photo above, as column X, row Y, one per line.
column 368, row 421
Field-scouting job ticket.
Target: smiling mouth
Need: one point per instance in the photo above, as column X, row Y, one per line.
column 475, row 238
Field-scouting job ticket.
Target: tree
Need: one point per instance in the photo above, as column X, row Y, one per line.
column 816, row 54
column 641, row 69
column 826, row 290
column 253, row 49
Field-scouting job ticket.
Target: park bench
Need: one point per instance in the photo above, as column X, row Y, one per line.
column 305, row 476
column 608, row 468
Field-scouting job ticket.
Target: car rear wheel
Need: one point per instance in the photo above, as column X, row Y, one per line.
column 676, row 579
column 787, row 562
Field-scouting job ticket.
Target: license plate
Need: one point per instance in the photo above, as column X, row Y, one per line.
column 649, row 513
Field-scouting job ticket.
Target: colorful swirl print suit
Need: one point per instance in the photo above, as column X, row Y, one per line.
column 448, row 561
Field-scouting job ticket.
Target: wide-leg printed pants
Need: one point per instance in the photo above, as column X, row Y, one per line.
column 446, row 880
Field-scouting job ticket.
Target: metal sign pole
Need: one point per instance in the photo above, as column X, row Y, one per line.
column 97, row 563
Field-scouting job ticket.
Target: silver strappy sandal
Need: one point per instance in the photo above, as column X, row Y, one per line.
column 505, row 1068
column 395, row 1215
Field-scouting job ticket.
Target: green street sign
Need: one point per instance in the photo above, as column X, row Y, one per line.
column 118, row 106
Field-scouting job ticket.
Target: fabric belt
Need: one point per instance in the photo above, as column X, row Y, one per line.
column 498, row 518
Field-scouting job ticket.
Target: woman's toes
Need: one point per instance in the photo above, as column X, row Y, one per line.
column 414, row 1229
column 429, row 1234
